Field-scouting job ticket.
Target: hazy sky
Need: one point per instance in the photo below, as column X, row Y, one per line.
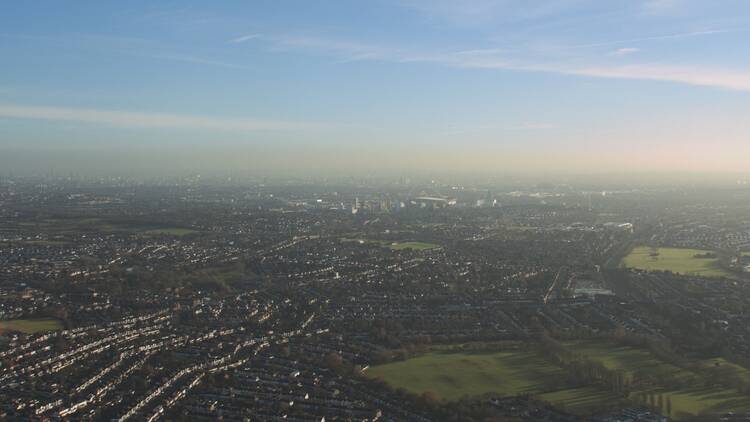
column 569, row 85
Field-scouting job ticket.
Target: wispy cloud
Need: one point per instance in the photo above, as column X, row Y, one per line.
column 738, row 80
column 130, row 46
column 691, row 75
column 128, row 119
column 495, row 59
column 349, row 50
column 625, row 51
column 673, row 36
column 245, row 38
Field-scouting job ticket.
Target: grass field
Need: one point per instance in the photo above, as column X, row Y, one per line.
column 169, row 231
column 420, row 246
column 687, row 401
column 396, row 246
column 579, row 400
column 721, row 362
column 30, row 326
column 626, row 358
column 452, row 375
column 677, row 260
column 705, row 400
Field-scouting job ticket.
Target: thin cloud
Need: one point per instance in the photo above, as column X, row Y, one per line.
column 347, row 49
column 662, row 37
column 245, row 38
column 136, row 47
column 738, row 80
column 128, row 119
column 719, row 78
column 625, row 51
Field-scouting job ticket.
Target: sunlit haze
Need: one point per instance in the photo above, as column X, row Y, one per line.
column 480, row 86
column 375, row 210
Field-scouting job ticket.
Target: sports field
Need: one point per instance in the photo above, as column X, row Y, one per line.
column 30, row 326
column 579, row 400
column 396, row 246
column 169, row 231
column 420, row 246
column 452, row 375
column 625, row 358
column 676, row 260
column 687, row 401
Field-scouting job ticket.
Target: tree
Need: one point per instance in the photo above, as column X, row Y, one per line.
column 333, row 360
column 430, row 397
column 660, row 402
column 669, row 405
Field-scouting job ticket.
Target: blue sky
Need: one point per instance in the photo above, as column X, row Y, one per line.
column 600, row 84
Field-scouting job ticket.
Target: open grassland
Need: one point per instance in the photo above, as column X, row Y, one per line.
column 743, row 372
column 676, row 260
column 420, row 246
column 699, row 400
column 396, row 246
column 579, row 400
column 452, row 374
column 169, row 231
column 30, row 326
column 627, row 359
column 693, row 400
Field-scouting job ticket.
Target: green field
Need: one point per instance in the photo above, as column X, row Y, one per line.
column 30, row 326
column 169, row 231
column 420, row 246
column 625, row 358
column 743, row 372
column 686, row 401
column 579, row 400
column 396, row 246
column 676, row 260
column 452, row 375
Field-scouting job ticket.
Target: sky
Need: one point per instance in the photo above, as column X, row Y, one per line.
column 581, row 86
